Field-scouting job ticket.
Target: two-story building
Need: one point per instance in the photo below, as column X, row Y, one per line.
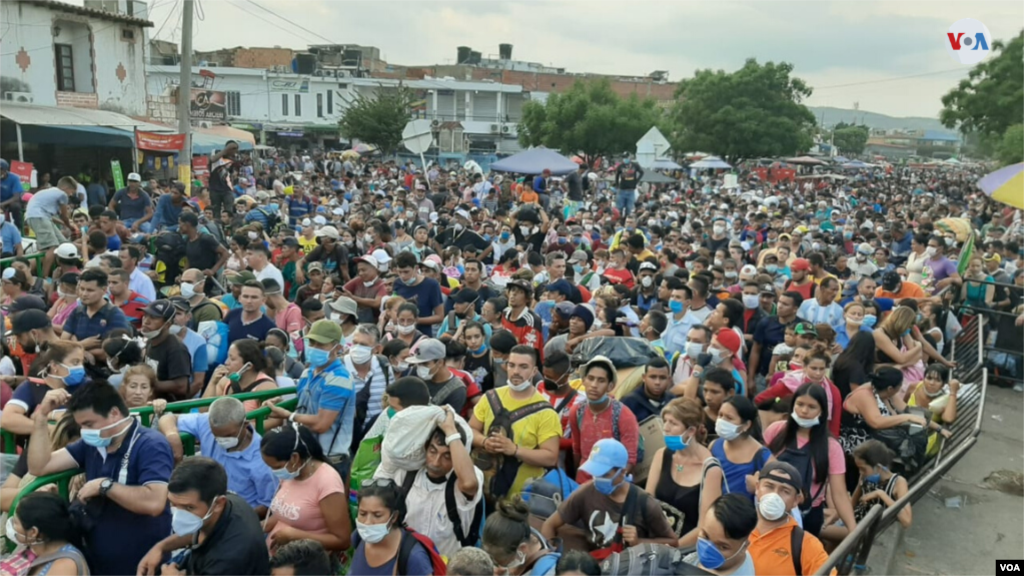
column 303, row 110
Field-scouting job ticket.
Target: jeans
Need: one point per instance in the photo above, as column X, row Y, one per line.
column 225, row 200
column 145, row 227
column 625, row 201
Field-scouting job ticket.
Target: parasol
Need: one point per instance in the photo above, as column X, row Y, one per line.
column 1005, row 185
column 350, row 154
column 958, row 227
column 711, row 162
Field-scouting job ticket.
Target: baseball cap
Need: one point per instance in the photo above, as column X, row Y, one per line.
column 315, row 266
column 768, row 289
column 805, row 329
column 727, row 337
column 26, row 302
column 428, row 350
column 784, row 473
column 328, row 232
column 29, row 320
column 865, row 248
column 325, row 332
column 523, row 285
column 993, row 257
column 134, row 177
column 306, row 222
column 465, row 296
column 180, row 303
column 10, row 273
column 748, row 271
column 565, row 309
column 648, row 266
column 606, row 455
column 381, row 256
column 345, row 305
column 800, row 264
column 242, row 277
column 369, row 259
column 160, row 308
column 891, row 280
column 67, row 250
column 605, row 363
column 578, row 257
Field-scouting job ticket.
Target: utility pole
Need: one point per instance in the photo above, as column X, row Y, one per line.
column 185, row 90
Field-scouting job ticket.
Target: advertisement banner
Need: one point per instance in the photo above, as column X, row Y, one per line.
column 115, row 169
column 200, row 167
column 159, row 142
column 24, row 172
column 300, row 85
column 208, row 105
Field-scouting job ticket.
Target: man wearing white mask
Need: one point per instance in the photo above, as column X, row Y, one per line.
column 167, row 356
column 445, row 387
column 195, row 343
column 371, row 375
column 862, row 265
column 203, row 309
column 779, row 490
column 697, row 340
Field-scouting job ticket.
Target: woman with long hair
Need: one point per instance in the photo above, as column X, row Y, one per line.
column 311, row 501
column 380, row 525
column 59, row 367
column 814, row 371
column 937, row 393
column 738, row 447
column 853, row 366
column 677, row 469
column 895, row 344
column 47, row 535
column 804, row 440
column 245, row 370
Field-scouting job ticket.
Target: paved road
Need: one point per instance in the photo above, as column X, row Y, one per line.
column 990, row 525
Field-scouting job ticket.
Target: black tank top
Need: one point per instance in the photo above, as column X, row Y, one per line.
column 686, row 499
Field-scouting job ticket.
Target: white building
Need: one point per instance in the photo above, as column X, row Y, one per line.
column 57, row 54
column 284, row 107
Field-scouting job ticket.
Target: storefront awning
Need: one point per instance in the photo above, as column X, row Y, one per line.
column 32, row 115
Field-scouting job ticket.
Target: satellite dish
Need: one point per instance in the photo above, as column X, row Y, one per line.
column 417, row 136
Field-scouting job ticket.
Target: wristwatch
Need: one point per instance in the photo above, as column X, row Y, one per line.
column 105, row 486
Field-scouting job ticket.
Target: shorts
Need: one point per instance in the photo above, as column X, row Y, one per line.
column 47, row 235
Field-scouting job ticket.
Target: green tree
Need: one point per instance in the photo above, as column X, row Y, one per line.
column 850, row 139
column 378, row 119
column 589, row 119
column 991, row 98
column 752, row 112
column 1011, row 149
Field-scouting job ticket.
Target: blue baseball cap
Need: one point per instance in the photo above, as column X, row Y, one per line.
column 606, row 455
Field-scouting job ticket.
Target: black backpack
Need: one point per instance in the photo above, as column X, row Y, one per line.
column 650, row 560
column 500, row 471
column 273, row 219
column 169, row 250
column 465, row 537
column 801, row 459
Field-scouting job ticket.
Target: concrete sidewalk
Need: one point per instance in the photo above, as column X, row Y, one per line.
column 989, row 525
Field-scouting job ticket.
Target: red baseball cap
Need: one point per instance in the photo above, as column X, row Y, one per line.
column 800, row 264
column 727, row 337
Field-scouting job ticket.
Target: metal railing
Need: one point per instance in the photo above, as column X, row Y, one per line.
column 38, row 257
column 842, row 558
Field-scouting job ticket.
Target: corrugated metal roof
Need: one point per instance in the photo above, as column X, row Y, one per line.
column 101, row 14
column 31, row 114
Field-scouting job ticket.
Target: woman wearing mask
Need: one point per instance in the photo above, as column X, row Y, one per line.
column 48, row 538
column 814, row 371
column 504, row 242
column 878, row 484
column 738, row 447
column 292, row 368
column 804, row 441
column 516, row 548
column 938, row 394
column 917, row 259
column 397, row 352
column 122, row 352
column 853, row 313
column 311, row 501
column 478, row 358
column 677, row 471
column 59, row 368
column 381, row 534
column 245, row 370
column 405, row 325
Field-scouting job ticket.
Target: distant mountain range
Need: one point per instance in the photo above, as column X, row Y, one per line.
column 834, row 116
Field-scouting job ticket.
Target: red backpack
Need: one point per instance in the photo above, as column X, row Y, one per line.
column 409, row 539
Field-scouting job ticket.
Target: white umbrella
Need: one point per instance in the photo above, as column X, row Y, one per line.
column 665, row 164
column 710, row 162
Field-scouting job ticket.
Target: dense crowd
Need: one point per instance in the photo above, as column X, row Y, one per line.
column 483, row 373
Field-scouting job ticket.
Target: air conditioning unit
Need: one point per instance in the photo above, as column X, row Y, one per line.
column 318, row 73
column 495, row 128
column 435, row 123
column 25, row 97
column 506, row 128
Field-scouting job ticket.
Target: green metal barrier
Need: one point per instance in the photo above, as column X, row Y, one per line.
column 185, row 406
column 260, row 415
column 8, row 441
column 38, row 257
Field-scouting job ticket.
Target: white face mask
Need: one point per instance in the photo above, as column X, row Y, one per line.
column 406, row 330
column 523, row 387
column 646, row 281
column 424, row 372
column 188, row 289
column 726, row 430
column 750, row 301
column 360, row 354
column 772, row 507
column 372, row 533
column 804, row 422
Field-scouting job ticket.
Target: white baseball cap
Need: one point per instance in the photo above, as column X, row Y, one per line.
column 381, row 256
column 67, row 250
column 134, row 177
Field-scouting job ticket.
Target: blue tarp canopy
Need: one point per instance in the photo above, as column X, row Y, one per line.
column 83, row 136
column 535, row 161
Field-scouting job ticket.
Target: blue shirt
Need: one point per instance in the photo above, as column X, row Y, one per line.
column 330, row 389
column 815, row 313
column 427, row 296
column 248, row 475
column 298, row 209
column 237, row 330
column 476, row 318
column 119, row 539
column 10, row 185
column 166, row 212
column 108, row 318
column 196, row 345
column 129, row 208
column 10, row 236
column 230, row 302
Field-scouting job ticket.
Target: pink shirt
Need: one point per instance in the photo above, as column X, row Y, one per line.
column 836, row 460
column 599, row 426
column 290, row 320
column 297, row 502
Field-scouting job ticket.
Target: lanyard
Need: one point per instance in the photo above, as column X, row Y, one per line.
column 122, row 474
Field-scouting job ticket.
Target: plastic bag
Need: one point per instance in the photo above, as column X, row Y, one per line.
column 623, row 352
column 366, row 461
column 408, row 432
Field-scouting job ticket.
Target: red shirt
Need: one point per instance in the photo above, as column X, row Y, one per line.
column 599, row 426
column 623, row 276
column 472, row 391
column 527, row 328
column 133, row 307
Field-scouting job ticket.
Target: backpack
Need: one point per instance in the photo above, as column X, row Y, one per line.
column 194, row 323
column 363, row 401
column 801, row 459
column 650, row 560
column 616, row 412
column 500, row 471
column 217, row 344
column 168, row 252
column 545, row 494
column 796, row 549
column 453, row 384
column 636, row 499
column 273, row 219
column 465, row 537
column 410, row 538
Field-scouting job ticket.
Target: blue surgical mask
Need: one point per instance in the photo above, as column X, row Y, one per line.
column 93, row 437
column 875, row 478
column 709, row 555
column 411, row 280
column 675, row 306
column 316, row 357
column 578, row 268
column 283, row 473
column 771, row 268
column 76, row 375
column 480, row 350
column 675, row 443
column 600, row 402
column 608, row 485
column 505, row 236
column 869, row 320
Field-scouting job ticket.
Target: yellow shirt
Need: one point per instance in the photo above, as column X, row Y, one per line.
column 307, row 244
column 529, row 432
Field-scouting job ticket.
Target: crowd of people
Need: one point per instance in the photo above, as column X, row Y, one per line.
column 483, row 373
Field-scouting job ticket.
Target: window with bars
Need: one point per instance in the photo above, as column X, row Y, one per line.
column 65, row 68
column 234, row 103
column 298, row 105
column 320, row 105
column 330, row 101
column 284, row 104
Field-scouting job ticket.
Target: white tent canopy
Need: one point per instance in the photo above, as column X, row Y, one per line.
column 712, row 162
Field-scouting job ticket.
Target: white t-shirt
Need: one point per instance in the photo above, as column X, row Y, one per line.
column 430, row 515
column 271, row 271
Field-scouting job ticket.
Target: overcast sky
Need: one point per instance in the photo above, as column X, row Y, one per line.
column 843, row 49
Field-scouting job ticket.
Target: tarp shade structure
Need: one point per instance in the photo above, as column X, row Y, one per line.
column 535, row 161
column 806, row 161
column 665, row 164
column 857, row 164
column 32, row 115
column 82, row 136
column 657, row 178
column 711, row 162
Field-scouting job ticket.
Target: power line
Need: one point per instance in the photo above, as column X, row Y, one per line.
column 166, row 20
column 257, row 16
column 898, row 78
column 300, row 27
